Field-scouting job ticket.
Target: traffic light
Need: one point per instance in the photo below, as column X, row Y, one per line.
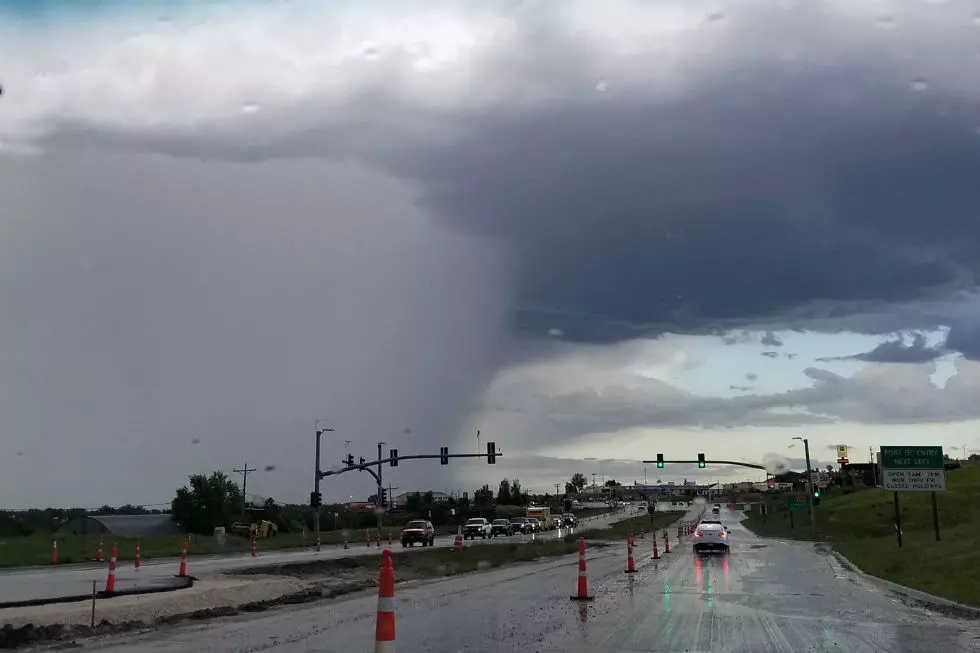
column 443, row 455
column 384, row 498
column 349, row 460
column 491, row 453
column 316, row 499
column 701, row 460
column 660, row 460
column 393, row 454
column 362, row 460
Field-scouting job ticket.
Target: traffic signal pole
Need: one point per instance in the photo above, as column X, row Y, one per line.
column 712, row 462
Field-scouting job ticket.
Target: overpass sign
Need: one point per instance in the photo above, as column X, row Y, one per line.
column 913, row 469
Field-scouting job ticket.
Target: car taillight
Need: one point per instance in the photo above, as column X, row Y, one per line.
column 724, row 534
column 697, row 533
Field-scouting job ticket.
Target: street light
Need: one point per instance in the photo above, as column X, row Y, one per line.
column 809, row 481
column 316, row 478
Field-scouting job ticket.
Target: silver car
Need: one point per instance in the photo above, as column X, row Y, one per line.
column 711, row 535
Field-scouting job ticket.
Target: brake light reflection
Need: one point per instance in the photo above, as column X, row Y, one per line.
column 697, row 533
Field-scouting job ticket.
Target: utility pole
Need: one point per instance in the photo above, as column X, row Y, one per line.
column 316, row 478
column 380, row 510
column 244, row 471
column 809, row 483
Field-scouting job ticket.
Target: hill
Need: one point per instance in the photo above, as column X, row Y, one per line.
column 860, row 525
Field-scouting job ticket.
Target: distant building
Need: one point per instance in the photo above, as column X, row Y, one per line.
column 120, row 525
column 401, row 499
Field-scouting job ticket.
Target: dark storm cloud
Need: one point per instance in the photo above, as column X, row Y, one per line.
column 755, row 195
column 770, row 339
column 896, row 351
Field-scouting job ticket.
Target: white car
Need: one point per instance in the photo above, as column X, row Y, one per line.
column 711, row 535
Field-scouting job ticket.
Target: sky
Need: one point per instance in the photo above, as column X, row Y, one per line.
column 591, row 231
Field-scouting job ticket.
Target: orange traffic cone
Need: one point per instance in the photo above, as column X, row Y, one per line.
column 666, row 542
column 656, row 554
column 318, row 544
column 367, row 534
column 583, row 583
column 680, row 531
column 384, row 631
column 110, row 581
column 458, row 542
column 183, row 559
column 345, row 544
column 253, row 546
column 377, row 541
column 54, row 553
column 389, row 537
column 98, row 555
column 630, row 565
column 138, row 557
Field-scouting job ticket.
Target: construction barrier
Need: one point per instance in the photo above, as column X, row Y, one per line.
column 583, row 583
column 384, row 631
column 138, row 556
column 183, row 559
column 110, row 581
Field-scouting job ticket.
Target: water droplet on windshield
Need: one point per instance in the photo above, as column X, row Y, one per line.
column 602, row 86
column 250, row 108
column 715, row 17
column 886, row 22
column 919, row 85
column 976, row 17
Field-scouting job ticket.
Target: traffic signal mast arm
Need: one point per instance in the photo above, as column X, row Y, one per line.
column 713, row 462
column 366, row 465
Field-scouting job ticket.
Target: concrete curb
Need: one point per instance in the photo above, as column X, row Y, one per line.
column 187, row 582
column 935, row 602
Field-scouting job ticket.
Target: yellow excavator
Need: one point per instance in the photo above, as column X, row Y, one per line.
column 261, row 528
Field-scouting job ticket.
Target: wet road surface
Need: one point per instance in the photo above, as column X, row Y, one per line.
column 38, row 583
column 766, row 596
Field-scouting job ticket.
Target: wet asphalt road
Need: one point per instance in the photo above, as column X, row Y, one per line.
column 766, row 596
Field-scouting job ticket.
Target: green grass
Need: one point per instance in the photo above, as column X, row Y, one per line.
column 36, row 550
column 860, row 525
column 445, row 562
column 639, row 524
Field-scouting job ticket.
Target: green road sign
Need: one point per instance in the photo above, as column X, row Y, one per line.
column 913, row 469
column 796, row 501
column 912, row 458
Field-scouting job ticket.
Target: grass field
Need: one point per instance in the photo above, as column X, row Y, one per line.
column 639, row 524
column 36, row 550
column 860, row 525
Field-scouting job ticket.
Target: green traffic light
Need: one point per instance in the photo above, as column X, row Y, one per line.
column 660, row 465
column 701, row 465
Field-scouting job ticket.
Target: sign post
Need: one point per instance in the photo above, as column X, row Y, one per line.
column 793, row 502
column 913, row 469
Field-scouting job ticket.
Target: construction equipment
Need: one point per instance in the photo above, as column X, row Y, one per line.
column 261, row 528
